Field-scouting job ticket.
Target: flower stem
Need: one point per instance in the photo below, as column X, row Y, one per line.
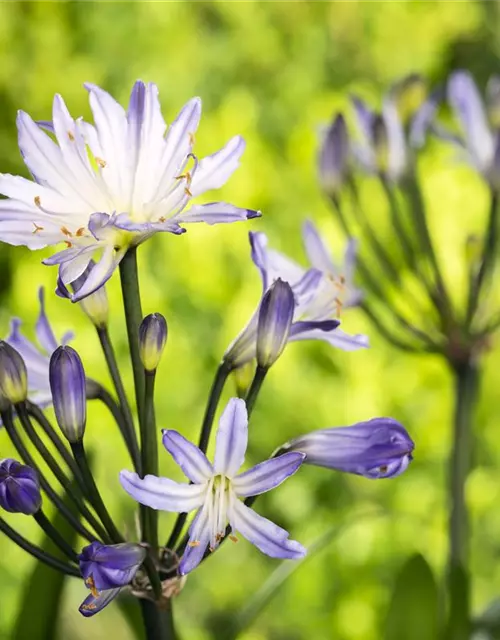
column 128, row 421
column 133, row 317
column 149, row 460
column 54, row 535
column 253, row 392
column 38, row 553
column 466, row 388
column 94, row 494
column 158, row 623
column 218, row 383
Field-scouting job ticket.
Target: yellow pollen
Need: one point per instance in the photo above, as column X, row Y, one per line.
column 162, row 219
column 194, row 543
column 187, row 192
column 80, row 232
column 68, row 244
column 66, row 232
column 102, row 163
column 37, row 228
column 91, row 585
column 38, row 201
column 233, row 538
column 71, row 136
column 89, row 607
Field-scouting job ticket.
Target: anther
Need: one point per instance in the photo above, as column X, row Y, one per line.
column 38, row 201
column 191, row 139
column 102, row 163
column 233, row 538
column 80, row 232
column 194, row 543
column 66, row 232
column 71, row 136
column 37, row 228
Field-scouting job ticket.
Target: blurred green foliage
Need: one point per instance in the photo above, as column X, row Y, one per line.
column 273, row 72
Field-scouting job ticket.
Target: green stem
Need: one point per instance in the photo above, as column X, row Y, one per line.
column 95, row 496
column 149, row 460
column 253, row 392
column 28, row 459
column 158, row 623
column 127, row 419
column 218, row 384
column 466, row 391
column 38, row 553
column 54, row 535
column 133, row 317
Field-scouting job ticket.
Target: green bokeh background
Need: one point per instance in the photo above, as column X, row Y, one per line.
column 273, row 72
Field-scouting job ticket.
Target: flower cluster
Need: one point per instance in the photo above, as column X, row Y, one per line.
column 100, row 190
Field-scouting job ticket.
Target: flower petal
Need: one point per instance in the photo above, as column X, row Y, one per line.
column 163, row 493
column 101, row 273
column 215, row 213
column 91, row 605
column 188, row 456
column 232, row 438
column 337, row 338
column 215, row 170
column 44, row 332
column 267, row 475
column 264, row 534
column 316, row 250
column 199, row 537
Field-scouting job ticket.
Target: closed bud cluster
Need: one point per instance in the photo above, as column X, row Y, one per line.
column 67, row 385
column 13, row 376
column 152, row 340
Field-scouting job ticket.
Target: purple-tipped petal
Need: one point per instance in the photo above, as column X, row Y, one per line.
column 232, row 438
column 188, row 456
column 214, row 171
column 44, row 332
column 264, row 534
column 215, row 213
column 109, row 566
column 267, row 475
column 92, row 605
column 305, row 328
column 162, row 493
column 337, row 338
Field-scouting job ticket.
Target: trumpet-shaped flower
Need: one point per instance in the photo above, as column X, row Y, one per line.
column 215, row 490
column 37, row 358
column 100, row 189
column 106, row 569
column 318, row 294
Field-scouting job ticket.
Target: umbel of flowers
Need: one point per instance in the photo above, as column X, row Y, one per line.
column 98, row 191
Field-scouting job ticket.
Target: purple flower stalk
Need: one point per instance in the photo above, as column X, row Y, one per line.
column 152, row 340
column 100, row 189
column 215, row 491
column 19, row 488
column 320, row 293
column 37, row 358
column 67, row 383
column 106, row 569
column 378, row 448
column 274, row 323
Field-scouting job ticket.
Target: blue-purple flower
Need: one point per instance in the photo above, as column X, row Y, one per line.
column 67, row 384
column 334, row 156
column 377, row 448
column 100, row 189
column 19, row 488
column 215, row 491
column 37, row 358
column 106, row 569
column 319, row 296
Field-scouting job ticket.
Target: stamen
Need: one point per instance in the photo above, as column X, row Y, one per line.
column 338, row 307
column 102, row 163
column 161, row 219
column 192, row 139
column 187, row 192
column 71, row 136
column 194, row 543
column 37, row 228
column 91, row 585
column 233, row 538
column 68, row 244
column 80, row 232
column 38, row 201
column 66, row 232
column 89, row 607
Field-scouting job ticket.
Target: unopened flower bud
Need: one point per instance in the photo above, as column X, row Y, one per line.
column 378, row 448
column 334, row 156
column 152, row 340
column 67, row 384
column 13, row 375
column 19, row 488
column 380, row 143
column 275, row 319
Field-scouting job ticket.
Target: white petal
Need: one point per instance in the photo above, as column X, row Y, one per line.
column 162, row 493
column 215, row 170
column 316, row 250
column 232, row 438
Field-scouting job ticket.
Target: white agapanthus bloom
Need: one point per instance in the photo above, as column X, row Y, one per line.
column 101, row 189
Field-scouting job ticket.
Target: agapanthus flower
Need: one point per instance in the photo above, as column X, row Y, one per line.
column 320, row 294
column 480, row 124
column 100, row 189
column 333, row 156
column 215, row 490
column 377, row 448
column 106, row 569
column 37, row 358
column 19, row 488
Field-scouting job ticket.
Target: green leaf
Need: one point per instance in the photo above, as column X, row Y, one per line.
column 413, row 612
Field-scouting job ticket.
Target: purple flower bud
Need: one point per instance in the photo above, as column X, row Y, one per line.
column 333, row 156
column 275, row 319
column 13, row 375
column 152, row 340
column 378, row 448
column 19, row 488
column 109, row 566
column 67, row 384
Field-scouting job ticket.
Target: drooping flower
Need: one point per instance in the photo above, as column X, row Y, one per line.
column 317, row 302
column 68, row 388
column 377, row 448
column 480, row 125
column 19, row 488
column 215, row 490
column 36, row 358
column 100, row 189
column 106, row 569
